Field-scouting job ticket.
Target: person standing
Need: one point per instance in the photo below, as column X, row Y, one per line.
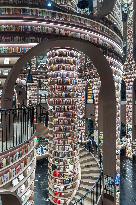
column 94, row 147
column 90, row 145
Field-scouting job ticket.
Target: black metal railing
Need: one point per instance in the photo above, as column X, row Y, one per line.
column 41, row 114
column 16, row 126
column 93, row 194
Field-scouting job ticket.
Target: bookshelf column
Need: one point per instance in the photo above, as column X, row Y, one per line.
column 81, row 111
column 63, row 138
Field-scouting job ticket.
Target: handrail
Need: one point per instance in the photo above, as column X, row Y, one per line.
column 94, row 195
column 16, row 127
column 97, row 194
column 41, row 114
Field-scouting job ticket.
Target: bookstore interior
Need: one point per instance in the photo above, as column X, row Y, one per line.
column 67, row 102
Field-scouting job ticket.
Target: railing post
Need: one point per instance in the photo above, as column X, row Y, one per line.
column 2, row 118
column 27, row 123
column 36, row 114
column 16, row 119
column 23, row 110
column 21, row 121
column 6, row 128
column 32, row 120
column 93, row 197
column 13, row 119
column 17, row 125
column 96, row 189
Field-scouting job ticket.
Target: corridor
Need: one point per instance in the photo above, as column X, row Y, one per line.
column 41, row 183
column 128, row 182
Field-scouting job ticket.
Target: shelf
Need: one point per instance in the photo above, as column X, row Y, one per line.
column 62, row 132
column 20, row 159
column 13, row 189
column 64, row 111
column 25, row 201
column 3, row 76
column 65, row 185
column 62, row 178
column 13, row 149
column 62, row 157
column 10, row 55
column 6, row 65
column 20, row 195
column 63, row 198
column 17, row 174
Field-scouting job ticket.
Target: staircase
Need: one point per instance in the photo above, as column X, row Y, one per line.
column 90, row 173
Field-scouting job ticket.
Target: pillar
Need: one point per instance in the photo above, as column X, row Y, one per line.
column 129, row 76
column 63, row 139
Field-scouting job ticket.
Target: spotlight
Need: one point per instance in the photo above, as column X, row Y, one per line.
column 49, row 4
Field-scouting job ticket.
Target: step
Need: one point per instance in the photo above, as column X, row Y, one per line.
column 95, row 177
column 89, row 180
column 87, row 158
column 76, row 197
column 82, row 149
column 85, row 152
column 89, row 199
column 81, row 192
column 89, row 171
column 85, row 188
column 88, row 184
column 87, row 168
column 88, row 163
column 92, row 174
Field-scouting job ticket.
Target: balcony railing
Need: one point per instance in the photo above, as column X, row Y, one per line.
column 18, row 125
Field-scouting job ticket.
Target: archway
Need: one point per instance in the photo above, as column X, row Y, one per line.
column 9, row 198
column 107, row 90
column 134, row 111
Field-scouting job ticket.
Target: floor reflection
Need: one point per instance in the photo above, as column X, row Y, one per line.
column 41, row 183
column 128, row 182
